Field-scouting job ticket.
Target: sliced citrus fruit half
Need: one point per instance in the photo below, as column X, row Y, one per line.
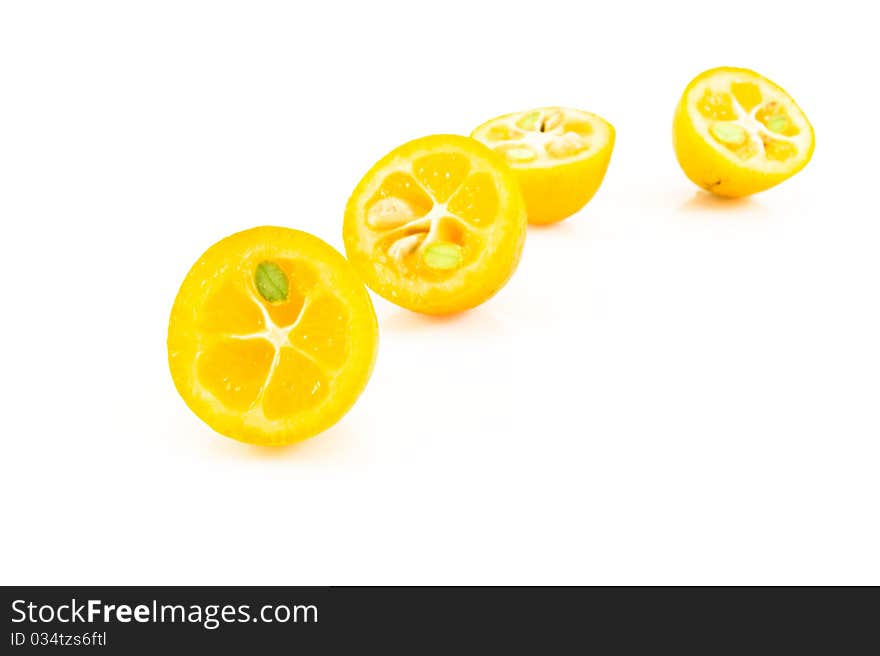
column 559, row 156
column 437, row 225
column 736, row 133
column 272, row 336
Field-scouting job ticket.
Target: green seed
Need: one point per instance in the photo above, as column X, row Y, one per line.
column 777, row 124
column 271, row 282
column 729, row 133
column 530, row 121
column 443, row 255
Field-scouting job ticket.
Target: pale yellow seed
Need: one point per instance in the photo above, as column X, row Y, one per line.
column 406, row 245
column 520, row 154
column 502, row 133
column 390, row 212
column 568, row 145
column 553, row 120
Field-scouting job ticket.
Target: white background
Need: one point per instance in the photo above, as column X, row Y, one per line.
column 672, row 389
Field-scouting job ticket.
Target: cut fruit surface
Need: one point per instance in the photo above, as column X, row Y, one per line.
column 736, row 133
column 272, row 336
column 559, row 156
column 437, row 225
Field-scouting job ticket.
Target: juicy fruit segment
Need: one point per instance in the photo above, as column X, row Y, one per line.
column 272, row 336
column 736, row 133
column 297, row 382
column 437, row 225
column 250, row 360
column 476, row 200
column 441, row 174
column 559, row 156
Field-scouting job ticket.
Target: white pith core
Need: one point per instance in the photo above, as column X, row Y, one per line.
column 279, row 338
column 753, row 127
column 549, row 130
column 756, row 131
column 421, row 232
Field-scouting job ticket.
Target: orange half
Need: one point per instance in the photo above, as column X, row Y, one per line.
column 437, row 225
column 559, row 155
column 736, row 133
column 272, row 336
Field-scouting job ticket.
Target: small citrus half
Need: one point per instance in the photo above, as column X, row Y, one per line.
column 437, row 225
column 272, row 336
column 559, row 156
column 736, row 133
